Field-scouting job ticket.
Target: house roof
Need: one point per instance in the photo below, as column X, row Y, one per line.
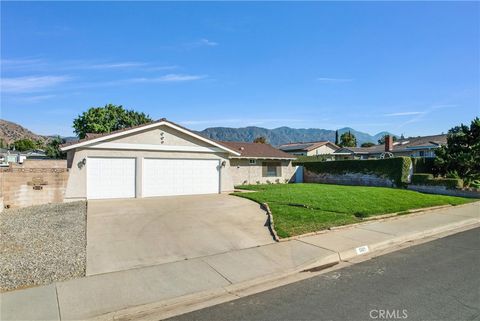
column 403, row 145
column 256, row 150
column 95, row 138
column 306, row 146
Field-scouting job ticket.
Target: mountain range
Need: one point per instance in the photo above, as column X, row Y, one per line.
column 10, row 132
column 283, row 135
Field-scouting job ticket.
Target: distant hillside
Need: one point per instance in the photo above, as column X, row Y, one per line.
column 10, row 132
column 283, row 135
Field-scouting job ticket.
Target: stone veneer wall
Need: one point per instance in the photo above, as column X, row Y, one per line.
column 34, row 182
column 347, row 179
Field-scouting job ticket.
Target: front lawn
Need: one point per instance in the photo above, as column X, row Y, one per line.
column 303, row 208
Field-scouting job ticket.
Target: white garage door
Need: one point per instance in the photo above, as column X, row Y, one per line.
column 162, row 177
column 110, row 178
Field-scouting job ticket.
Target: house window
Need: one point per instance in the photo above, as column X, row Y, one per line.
column 422, row 153
column 272, row 169
column 252, row 161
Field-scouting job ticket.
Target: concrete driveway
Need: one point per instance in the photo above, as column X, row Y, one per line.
column 125, row 234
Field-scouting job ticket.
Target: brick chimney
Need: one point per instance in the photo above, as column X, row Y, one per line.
column 388, row 143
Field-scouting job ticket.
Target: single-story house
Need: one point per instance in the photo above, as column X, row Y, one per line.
column 422, row 146
column 309, row 148
column 259, row 164
column 162, row 158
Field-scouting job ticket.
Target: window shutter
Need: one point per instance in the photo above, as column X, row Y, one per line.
column 279, row 170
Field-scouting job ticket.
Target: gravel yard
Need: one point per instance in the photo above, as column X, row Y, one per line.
column 42, row 244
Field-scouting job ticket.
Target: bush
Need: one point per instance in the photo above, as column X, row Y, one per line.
column 421, row 178
column 397, row 168
column 424, row 165
column 451, row 183
column 427, row 179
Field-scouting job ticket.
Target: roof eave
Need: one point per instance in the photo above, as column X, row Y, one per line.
column 140, row 128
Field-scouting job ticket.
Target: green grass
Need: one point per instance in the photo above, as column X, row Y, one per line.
column 302, row 208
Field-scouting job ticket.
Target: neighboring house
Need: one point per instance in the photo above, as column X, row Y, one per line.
column 259, row 163
column 309, row 148
column 161, row 159
column 423, row 146
column 12, row 156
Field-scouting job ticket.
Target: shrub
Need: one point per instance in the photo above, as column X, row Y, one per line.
column 424, row 165
column 451, row 183
column 421, row 178
column 427, row 179
column 397, row 168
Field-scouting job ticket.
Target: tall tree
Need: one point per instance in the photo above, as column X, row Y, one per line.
column 461, row 156
column 52, row 149
column 260, row 140
column 347, row 139
column 381, row 141
column 107, row 119
column 336, row 137
column 25, row 144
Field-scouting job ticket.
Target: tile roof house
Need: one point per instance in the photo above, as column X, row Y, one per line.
column 422, row 146
column 309, row 148
column 259, row 163
column 163, row 158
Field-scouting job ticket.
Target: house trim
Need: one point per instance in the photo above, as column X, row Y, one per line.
column 170, row 148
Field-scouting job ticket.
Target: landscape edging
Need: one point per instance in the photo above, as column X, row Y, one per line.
column 270, row 223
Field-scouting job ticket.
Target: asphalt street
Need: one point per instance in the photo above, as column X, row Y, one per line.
column 438, row 280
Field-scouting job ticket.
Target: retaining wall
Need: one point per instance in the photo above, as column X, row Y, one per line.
column 347, row 179
column 443, row 190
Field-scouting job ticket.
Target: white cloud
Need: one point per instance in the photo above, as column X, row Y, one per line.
column 31, row 83
column 34, row 99
column 334, row 80
column 406, row 113
column 116, row 65
column 207, row 42
column 170, row 78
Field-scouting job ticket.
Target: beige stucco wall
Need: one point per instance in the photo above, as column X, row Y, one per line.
column 242, row 172
column 171, row 137
column 322, row 150
column 77, row 183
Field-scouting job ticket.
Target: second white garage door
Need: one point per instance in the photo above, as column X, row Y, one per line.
column 164, row 177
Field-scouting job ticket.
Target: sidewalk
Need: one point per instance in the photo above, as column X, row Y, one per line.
column 226, row 273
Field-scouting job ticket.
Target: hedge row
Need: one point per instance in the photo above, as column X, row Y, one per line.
column 428, row 179
column 424, row 165
column 396, row 169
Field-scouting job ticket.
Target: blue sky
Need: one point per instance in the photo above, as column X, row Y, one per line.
column 410, row 67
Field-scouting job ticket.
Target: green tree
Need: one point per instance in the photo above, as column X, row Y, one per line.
column 381, row 141
column 461, row 156
column 107, row 119
column 336, row 137
column 367, row 144
column 347, row 139
column 260, row 140
column 25, row 144
column 52, row 149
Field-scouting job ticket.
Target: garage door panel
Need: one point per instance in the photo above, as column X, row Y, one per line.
column 164, row 177
column 110, row 178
